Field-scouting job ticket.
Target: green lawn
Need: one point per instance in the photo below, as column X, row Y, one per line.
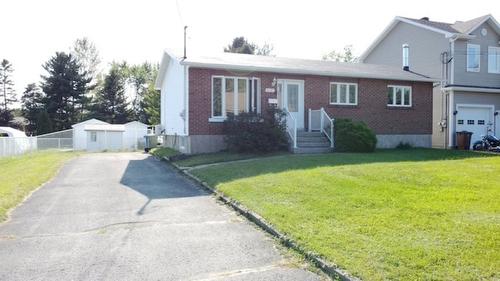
column 164, row 152
column 210, row 158
column 22, row 174
column 391, row 215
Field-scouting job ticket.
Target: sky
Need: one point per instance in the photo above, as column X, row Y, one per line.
column 136, row 31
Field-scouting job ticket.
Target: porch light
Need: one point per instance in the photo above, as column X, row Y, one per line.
column 275, row 81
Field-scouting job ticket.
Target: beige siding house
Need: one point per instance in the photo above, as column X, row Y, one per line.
column 465, row 55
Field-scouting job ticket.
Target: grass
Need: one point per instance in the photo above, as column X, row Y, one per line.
column 416, row 214
column 164, row 152
column 210, row 158
column 22, row 174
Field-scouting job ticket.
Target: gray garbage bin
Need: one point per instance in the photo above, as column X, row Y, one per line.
column 151, row 141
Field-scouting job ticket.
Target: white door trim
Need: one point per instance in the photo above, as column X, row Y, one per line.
column 301, row 105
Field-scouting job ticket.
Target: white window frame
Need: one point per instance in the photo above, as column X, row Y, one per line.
column 394, row 87
column 248, row 106
column 478, row 69
column 347, row 93
column 490, row 66
column 93, row 136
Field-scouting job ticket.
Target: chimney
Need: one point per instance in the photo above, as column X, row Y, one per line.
column 406, row 57
column 425, row 18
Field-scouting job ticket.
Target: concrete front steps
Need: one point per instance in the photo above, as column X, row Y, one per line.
column 312, row 142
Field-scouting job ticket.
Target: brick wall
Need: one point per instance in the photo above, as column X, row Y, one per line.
column 372, row 102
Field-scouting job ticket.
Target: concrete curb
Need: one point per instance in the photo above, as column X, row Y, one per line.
column 332, row 270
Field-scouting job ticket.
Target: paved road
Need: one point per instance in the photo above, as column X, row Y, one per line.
column 127, row 216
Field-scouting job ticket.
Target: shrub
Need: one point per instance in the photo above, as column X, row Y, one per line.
column 353, row 136
column 404, row 145
column 256, row 133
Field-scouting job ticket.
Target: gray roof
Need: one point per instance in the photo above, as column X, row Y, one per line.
column 457, row 27
column 243, row 62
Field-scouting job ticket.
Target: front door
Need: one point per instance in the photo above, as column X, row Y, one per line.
column 291, row 98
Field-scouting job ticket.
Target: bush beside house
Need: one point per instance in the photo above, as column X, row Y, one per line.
column 256, row 133
column 351, row 136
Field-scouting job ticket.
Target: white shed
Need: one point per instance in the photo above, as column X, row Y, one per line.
column 95, row 135
column 14, row 141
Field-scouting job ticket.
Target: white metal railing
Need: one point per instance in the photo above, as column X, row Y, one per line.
column 326, row 125
column 291, row 128
column 314, row 120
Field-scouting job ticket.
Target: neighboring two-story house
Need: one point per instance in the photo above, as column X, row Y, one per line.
column 464, row 54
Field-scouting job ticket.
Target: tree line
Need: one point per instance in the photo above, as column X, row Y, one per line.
column 74, row 89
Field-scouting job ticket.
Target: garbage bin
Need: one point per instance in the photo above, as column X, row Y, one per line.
column 463, row 140
column 151, row 142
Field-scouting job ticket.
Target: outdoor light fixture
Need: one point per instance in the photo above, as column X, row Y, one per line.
column 455, row 112
column 275, row 81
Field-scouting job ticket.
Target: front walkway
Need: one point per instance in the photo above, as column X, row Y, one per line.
column 127, row 216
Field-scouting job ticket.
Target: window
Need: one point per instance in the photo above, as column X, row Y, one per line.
column 399, row 96
column 473, row 57
column 480, row 122
column 470, row 122
column 343, row 93
column 406, row 57
column 460, row 122
column 233, row 95
column 494, row 60
column 93, row 136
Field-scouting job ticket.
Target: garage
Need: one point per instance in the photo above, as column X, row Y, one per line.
column 476, row 119
column 96, row 135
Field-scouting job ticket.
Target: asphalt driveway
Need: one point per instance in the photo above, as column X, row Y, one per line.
column 127, row 216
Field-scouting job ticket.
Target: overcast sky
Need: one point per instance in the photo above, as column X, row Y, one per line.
column 135, row 31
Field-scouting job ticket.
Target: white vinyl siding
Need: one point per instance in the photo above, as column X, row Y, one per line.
column 494, row 60
column 343, row 93
column 473, row 58
column 399, row 96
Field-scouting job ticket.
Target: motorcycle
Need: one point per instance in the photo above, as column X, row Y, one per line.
column 487, row 142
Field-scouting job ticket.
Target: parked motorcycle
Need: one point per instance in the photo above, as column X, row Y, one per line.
column 487, row 142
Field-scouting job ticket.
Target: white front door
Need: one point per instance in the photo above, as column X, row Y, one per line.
column 476, row 119
column 291, row 98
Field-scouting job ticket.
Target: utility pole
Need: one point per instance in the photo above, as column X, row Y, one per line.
column 185, row 28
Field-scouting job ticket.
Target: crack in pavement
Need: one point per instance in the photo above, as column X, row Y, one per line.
column 119, row 225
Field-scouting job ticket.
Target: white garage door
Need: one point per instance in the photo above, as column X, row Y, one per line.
column 475, row 119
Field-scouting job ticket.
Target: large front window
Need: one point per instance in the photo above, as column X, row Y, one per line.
column 343, row 93
column 473, row 57
column 494, row 59
column 399, row 96
column 233, row 95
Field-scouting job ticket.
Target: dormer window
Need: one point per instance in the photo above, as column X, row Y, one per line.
column 473, row 58
column 406, row 57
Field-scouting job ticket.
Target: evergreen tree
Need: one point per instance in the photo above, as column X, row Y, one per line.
column 31, row 106
column 110, row 104
column 43, row 123
column 64, row 88
column 151, row 105
column 140, row 77
column 7, row 93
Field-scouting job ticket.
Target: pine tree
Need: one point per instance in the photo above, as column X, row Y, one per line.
column 64, row 88
column 43, row 123
column 110, row 103
column 151, row 105
column 31, row 106
column 7, row 93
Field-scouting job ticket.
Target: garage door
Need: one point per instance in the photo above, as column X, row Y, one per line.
column 475, row 119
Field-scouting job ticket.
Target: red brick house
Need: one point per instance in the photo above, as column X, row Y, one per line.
column 198, row 92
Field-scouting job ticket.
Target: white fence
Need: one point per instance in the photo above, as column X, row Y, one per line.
column 10, row 146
